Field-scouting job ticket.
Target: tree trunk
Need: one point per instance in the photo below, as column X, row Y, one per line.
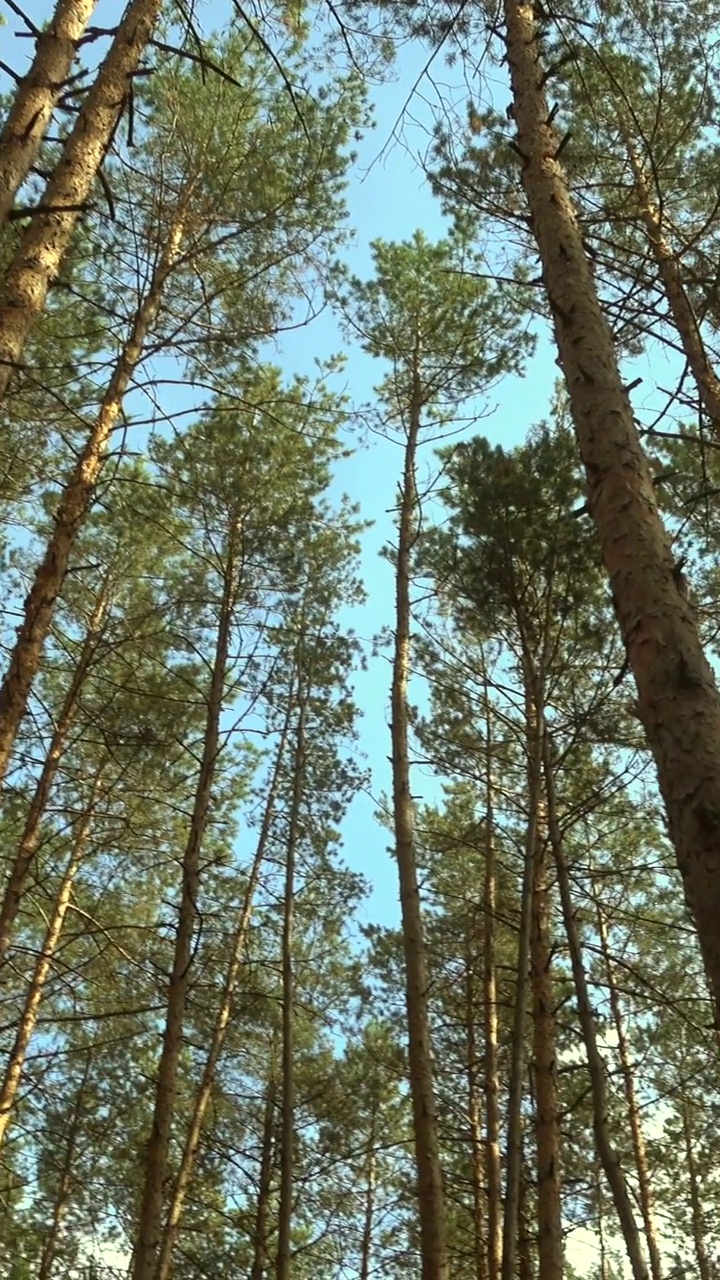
column 678, row 700
column 474, row 1116
column 511, row 1219
column 526, row 1262
column 490, row 1015
column 366, row 1245
column 237, row 956
column 636, row 1133
column 287, row 1104
column 260, row 1234
column 149, row 1234
column 431, row 1207
column 551, row 1262
column 705, row 1269
column 62, row 1193
column 37, row 94
column 30, row 838
column 596, row 1067
column 33, row 998
column 46, row 240
column 73, row 507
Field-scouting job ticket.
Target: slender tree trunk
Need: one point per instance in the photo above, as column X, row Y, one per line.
column 636, row 1133
column 490, row 1017
column 73, row 507
column 30, row 839
column 237, row 956
column 150, row 1232
column 36, row 989
column 62, row 1193
column 517, row 1053
column 526, row 1262
column 431, row 1206
column 46, row 240
column 474, row 1115
column 37, row 94
column 681, row 309
column 596, row 1067
column 366, row 1245
column 705, row 1268
column 551, row 1262
column 287, row 1107
column 260, row 1234
column 678, row 700
column 601, row 1223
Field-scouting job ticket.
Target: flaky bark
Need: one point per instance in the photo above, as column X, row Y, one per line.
column 511, row 1217
column 551, row 1261
column 36, row 96
column 74, row 504
column 287, row 1102
column 44, row 244
column 235, row 963
column 678, row 700
column 36, row 988
column 596, row 1067
column 628, row 1075
column 30, row 838
column 427, row 1155
column 149, row 1235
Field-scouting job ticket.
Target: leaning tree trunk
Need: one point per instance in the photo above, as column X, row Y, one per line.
column 431, row 1206
column 149, row 1235
column 37, row 94
column 237, row 957
column 678, row 700
column 36, row 989
column 633, row 1109
column 75, row 502
column 596, row 1067
column 513, row 1174
column 30, row 839
column 44, row 244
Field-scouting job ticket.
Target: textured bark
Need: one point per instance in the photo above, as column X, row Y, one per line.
column 490, row 1017
column 262, row 1208
column 474, row 1112
column 679, row 304
column 511, row 1217
column 36, row 988
column 705, row 1268
column 287, row 1078
column 150, row 1232
column 30, row 838
column 36, row 96
column 74, row 504
column 44, row 244
column 551, row 1261
column 431, row 1206
column 678, row 700
column 235, row 964
column 65, row 1180
column 596, row 1066
column 628, row 1075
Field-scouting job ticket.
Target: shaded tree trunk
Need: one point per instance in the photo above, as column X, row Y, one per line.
column 705, row 1268
column 75, row 502
column 427, row 1154
column 237, row 957
column 526, row 1260
column 262, row 1208
column 44, row 244
column 43, row 966
column 474, row 1114
column 149, row 1235
column 596, row 1066
column 636, row 1133
column 37, row 94
column 366, row 1244
column 678, row 700
column 490, row 1018
column 287, row 1103
column 30, row 838
column 62, row 1193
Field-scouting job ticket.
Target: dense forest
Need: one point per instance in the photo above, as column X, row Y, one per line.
column 217, row 1057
